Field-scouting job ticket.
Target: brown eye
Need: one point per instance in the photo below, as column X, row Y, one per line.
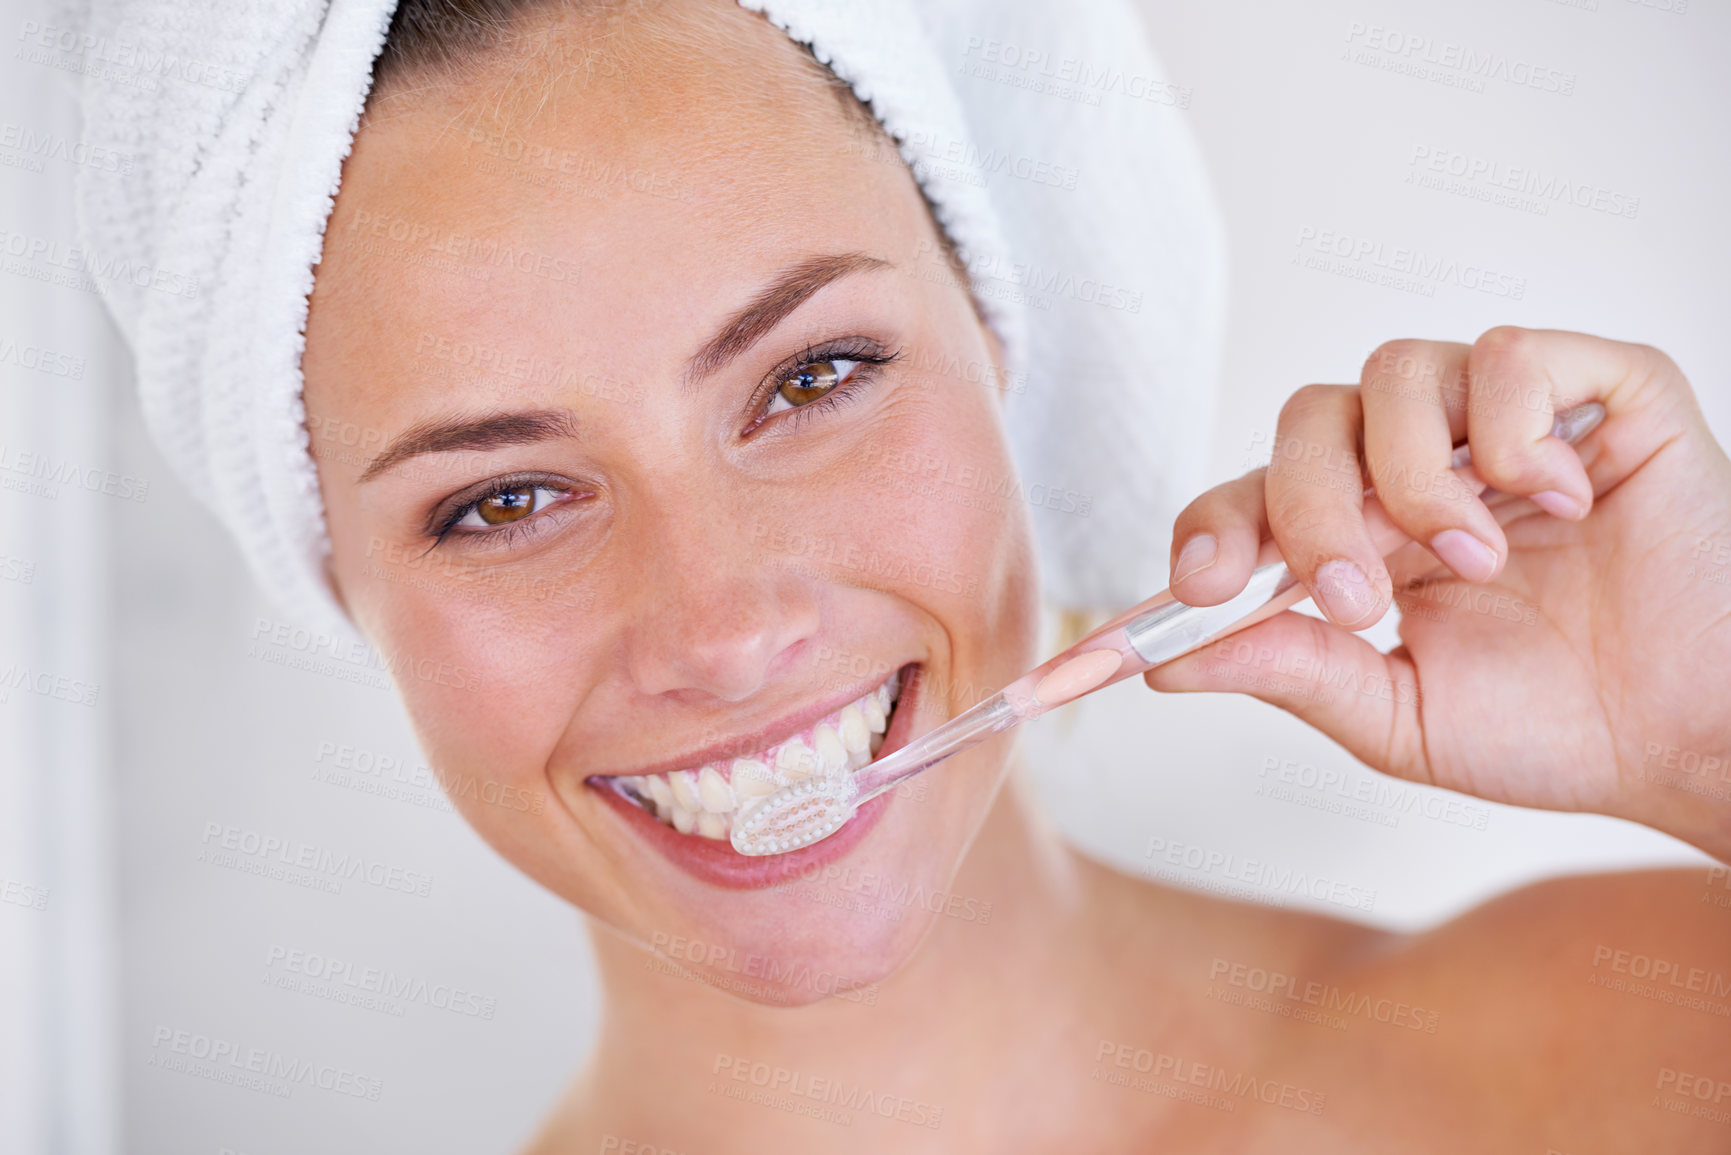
column 503, row 507
column 810, row 381
column 512, row 505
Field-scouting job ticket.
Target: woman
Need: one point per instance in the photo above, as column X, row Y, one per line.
column 613, row 570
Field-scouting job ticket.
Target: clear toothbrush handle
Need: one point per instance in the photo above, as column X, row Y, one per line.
column 975, row 724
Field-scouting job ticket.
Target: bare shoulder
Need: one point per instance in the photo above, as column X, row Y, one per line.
column 1592, row 1011
column 1582, row 1014
column 1643, row 953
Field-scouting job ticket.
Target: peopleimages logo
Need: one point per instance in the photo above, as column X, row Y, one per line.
column 1326, row 996
column 134, row 64
column 42, row 360
column 23, row 894
column 37, row 146
column 60, row 687
column 1254, row 872
column 257, row 1068
column 795, row 1091
column 51, row 472
column 1516, row 186
column 1233, row 1086
column 304, row 863
column 1399, row 267
column 343, row 981
column 475, row 252
column 1065, row 77
column 1448, row 62
column 284, row 643
column 770, row 972
column 45, row 254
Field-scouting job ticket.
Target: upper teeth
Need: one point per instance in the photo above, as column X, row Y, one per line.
column 703, row 801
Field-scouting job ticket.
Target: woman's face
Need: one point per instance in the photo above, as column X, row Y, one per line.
column 653, row 431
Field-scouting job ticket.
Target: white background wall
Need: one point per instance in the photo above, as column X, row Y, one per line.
column 211, row 725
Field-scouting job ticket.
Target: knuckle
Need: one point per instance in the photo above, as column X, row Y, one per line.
column 1508, row 346
column 1310, row 399
column 1199, row 514
column 1506, row 371
column 1403, row 357
column 1406, row 361
column 1421, row 495
column 1297, row 513
column 1309, row 423
column 1659, row 364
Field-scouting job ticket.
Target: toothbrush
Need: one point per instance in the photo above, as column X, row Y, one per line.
column 1142, row 637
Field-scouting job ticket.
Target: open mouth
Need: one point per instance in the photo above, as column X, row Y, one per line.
column 703, row 800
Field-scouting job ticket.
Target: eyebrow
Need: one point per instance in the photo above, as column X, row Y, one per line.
column 771, row 306
column 740, row 332
column 494, row 431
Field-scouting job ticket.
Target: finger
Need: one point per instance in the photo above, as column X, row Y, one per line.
column 1330, row 678
column 1520, row 378
column 1412, row 393
column 1315, row 501
column 1512, row 400
column 1412, row 567
column 1215, row 541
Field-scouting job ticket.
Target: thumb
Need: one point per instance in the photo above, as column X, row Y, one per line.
column 1364, row 699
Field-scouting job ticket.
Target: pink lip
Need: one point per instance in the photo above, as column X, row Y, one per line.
column 717, row 863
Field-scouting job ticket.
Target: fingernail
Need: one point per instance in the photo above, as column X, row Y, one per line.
column 1559, row 505
column 1197, row 554
column 1465, row 554
column 1346, row 593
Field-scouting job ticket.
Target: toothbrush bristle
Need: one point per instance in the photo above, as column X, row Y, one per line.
column 795, row 816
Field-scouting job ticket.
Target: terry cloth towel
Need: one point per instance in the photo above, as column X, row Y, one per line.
column 1050, row 142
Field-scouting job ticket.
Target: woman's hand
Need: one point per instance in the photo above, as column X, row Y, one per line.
column 1566, row 639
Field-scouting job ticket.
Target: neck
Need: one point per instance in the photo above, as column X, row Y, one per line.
column 1020, row 922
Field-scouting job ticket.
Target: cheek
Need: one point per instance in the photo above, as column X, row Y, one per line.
column 928, row 507
column 939, row 511
column 486, row 676
column 483, row 659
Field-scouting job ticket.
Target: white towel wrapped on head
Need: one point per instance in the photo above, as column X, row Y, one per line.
column 1050, row 143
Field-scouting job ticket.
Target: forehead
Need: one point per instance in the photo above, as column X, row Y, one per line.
column 681, row 90
column 576, row 185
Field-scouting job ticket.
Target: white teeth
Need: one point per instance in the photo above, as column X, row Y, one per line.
column 703, row 801
column 712, row 791
column 831, row 754
column 684, row 784
column 751, row 778
column 853, row 729
column 796, row 760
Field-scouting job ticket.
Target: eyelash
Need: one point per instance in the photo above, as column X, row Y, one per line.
column 868, row 356
column 509, row 532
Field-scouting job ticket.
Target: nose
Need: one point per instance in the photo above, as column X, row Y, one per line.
column 710, row 619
